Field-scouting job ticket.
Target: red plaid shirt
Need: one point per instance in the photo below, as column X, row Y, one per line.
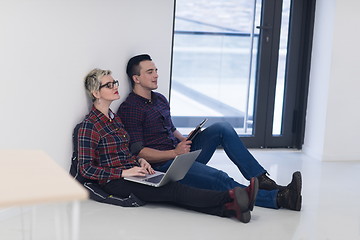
column 103, row 147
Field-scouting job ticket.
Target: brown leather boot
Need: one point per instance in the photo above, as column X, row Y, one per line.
column 267, row 183
column 243, row 200
column 240, row 204
column 252, row 191
column 290, row 197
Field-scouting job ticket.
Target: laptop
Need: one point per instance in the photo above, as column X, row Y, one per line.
column 177, row 170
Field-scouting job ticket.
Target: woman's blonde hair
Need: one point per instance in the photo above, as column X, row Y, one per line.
column 93, row 81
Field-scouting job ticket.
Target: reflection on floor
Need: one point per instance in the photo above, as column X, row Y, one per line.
column 330, row 209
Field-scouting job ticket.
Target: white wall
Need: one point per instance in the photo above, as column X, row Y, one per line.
column 332, row 125
column 48, row 46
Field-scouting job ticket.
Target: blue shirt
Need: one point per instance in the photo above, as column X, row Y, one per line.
column 148, row 122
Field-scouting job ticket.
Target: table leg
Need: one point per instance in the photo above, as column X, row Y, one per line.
column 75, row 215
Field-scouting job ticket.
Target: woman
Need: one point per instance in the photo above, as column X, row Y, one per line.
column 104, row 156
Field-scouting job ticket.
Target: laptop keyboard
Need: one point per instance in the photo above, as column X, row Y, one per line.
column 155, row 179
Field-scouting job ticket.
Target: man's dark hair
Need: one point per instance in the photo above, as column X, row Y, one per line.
column 133, row 67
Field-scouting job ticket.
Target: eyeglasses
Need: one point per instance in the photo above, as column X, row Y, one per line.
column 110, row 85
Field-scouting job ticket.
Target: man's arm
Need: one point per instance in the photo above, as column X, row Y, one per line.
column 156, row 156
column 178, row 135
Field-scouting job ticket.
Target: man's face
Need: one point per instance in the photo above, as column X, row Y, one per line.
column 148, row 75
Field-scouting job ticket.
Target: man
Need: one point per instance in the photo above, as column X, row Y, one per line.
column 146, row 116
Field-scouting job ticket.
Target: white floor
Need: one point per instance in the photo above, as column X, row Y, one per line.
column 330, row 209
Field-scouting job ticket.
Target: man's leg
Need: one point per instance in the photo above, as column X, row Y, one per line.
column 206, row 177
column 223, row 134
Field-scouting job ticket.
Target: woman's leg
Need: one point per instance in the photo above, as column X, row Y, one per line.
column 206, row 201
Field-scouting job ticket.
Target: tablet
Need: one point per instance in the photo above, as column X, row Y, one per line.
column 196, row 130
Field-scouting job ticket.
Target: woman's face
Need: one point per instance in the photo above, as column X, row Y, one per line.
column 109, row 89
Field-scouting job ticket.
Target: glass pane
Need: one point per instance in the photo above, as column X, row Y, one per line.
column 214, row 63
column 280, row 81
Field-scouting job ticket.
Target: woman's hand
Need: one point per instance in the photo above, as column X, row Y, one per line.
column 134, row 171
column 145, row 168
column 145, row 165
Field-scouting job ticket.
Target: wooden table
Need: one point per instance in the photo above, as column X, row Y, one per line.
column 31, row 177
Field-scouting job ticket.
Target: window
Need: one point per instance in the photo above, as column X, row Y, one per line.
column 230, row 64
column 214, row 62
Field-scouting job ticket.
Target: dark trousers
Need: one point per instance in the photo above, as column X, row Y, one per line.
column 206, row 201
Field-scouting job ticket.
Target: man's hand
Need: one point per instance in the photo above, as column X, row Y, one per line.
column 183, row 147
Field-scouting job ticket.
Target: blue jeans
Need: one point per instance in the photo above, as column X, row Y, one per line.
column 202, row 176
